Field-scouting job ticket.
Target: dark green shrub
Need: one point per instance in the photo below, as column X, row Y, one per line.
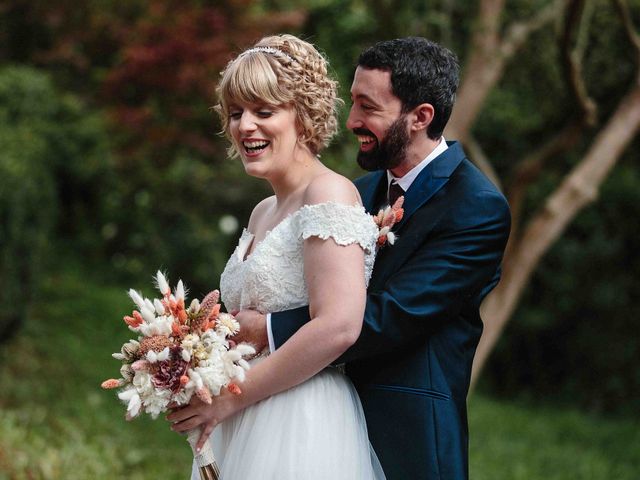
column 52, row 158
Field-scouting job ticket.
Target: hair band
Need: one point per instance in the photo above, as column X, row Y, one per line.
column 273, row 51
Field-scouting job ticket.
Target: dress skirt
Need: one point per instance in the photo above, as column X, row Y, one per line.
column 314, row 431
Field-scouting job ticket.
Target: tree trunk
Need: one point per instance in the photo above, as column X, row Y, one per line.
column 578, row 189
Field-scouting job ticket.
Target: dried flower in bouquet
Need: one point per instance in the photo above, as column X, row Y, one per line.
column 179, row 352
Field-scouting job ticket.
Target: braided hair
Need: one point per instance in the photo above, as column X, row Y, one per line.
column 281, row 70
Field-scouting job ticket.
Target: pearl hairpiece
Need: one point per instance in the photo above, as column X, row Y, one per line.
column 270, row 50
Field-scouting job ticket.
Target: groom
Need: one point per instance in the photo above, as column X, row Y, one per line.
column 412, row 362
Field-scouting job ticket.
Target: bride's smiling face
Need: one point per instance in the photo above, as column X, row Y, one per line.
column 264, row 135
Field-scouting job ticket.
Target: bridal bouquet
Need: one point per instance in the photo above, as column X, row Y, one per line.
column 179, row 352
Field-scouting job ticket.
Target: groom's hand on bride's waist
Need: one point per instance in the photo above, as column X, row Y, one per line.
column 253, row 329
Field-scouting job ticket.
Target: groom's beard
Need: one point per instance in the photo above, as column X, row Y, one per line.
column 390, row 152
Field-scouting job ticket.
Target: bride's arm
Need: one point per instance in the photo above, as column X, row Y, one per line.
column 334, row 277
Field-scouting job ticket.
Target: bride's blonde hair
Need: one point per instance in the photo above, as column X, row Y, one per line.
column 281, row 70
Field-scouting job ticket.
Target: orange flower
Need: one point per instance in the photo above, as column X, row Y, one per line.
column 175, row 329
column 111, row 383
column 204, row 395
column 215, row 311
column 184, row 380
column 233, row 388
column 134, row 321
column 138, row 316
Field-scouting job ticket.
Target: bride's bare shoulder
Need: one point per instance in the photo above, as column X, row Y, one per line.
column 331, row 187
column 259, row 212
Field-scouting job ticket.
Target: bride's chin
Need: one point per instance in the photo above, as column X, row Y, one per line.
column 254, row 170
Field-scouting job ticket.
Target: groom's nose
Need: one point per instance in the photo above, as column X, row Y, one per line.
column 352, row 120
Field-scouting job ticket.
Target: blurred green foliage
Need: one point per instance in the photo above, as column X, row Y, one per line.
column 51, row 165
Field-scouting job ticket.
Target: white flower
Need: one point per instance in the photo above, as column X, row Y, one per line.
column 391, row 238
column 142, row 382
column 137, row 298
column 157, row 403
column 183, row 396
column 180, row 290
column 195, row 380
column 245, row 349
column 154, row 357
column 132, row 399
column 163, row 285
column 213, row 378
column 195, row 306
column 159, row 326
column 186, row 355
column 148, row 313
column 227, row 325
column 158, row 306
column 149, row 304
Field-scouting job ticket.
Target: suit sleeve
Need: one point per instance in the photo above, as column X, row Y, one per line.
column 451, row 270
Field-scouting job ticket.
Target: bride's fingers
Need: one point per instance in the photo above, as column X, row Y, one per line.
column 206, row 431
column 186, row 425
column 180, row 414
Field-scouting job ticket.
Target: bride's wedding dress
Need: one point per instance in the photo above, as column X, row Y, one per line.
column 316, row 430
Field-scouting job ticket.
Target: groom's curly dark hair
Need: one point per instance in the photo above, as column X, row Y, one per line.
column 422, row 71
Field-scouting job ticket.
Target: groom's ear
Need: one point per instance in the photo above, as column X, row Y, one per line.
column 421, row 117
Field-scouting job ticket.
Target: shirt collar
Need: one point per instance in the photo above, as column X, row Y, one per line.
column 406, row 181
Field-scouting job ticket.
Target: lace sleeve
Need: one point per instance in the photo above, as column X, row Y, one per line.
column 345, row 224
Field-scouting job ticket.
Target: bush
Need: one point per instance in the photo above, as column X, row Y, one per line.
column 53, row 152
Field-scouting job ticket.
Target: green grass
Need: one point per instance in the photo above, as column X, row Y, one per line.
column 56, row 422
column 511, row 441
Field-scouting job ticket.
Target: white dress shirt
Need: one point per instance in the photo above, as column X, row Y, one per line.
column 406, row 181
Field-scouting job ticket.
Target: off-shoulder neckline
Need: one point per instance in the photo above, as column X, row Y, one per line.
column 245, row 256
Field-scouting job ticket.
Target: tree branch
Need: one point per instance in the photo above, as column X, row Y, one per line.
column 481, row 161
column 529, row 168
column 572, row 63
column 518, row 32
column 623, row 10
column 579, row 189
column 487, row 59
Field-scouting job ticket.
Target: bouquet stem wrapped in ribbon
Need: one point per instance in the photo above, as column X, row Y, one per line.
column 180, row 352
column 206, row 462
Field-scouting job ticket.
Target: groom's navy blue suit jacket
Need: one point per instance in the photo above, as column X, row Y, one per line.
column 412, row 362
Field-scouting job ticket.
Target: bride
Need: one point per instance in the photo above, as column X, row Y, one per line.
column 311, row 243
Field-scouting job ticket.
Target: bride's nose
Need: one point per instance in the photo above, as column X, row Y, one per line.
column 247, row 122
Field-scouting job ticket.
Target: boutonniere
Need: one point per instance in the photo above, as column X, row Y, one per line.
column 386, row 219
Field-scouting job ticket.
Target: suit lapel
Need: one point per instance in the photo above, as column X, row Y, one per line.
column 430, row 180
column 372, row 189
column 410, row 234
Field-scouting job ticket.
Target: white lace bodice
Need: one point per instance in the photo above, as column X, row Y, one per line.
column 271, row 279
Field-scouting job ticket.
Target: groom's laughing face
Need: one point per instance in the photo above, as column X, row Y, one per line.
column 376, row 119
